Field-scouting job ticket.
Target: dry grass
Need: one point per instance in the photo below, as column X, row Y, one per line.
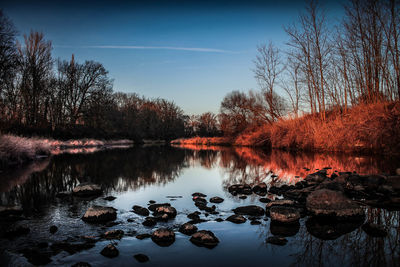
column 17, row 150
column 370, row 128
column 204, row 141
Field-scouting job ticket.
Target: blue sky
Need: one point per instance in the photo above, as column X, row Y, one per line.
column 191, row 52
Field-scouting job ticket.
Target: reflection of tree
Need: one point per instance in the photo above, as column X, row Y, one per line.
column 352, row 249
column 118, row 170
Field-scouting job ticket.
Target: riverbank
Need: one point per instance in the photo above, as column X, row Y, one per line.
column 373, row 128
column 15, row 150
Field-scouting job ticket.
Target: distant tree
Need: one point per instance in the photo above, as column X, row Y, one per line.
column 207, row 124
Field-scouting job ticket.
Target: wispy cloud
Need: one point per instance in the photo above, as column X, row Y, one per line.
column 178, row 48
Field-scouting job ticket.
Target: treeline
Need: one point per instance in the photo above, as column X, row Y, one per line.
column 66, row 99
column 327, row 68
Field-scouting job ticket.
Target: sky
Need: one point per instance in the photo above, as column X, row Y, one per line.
column 189, row 52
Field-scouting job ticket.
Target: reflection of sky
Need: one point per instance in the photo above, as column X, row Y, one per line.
column 185, row 51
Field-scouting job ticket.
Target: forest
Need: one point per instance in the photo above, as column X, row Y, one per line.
column 335, row 78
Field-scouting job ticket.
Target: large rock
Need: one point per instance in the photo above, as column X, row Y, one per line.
column 87, row 190
column 204, row 238
column 236, row 219
column 100, row 214
column 188, row 229
column 280, row 202
column 169, row 211
column 325, row 202
column 284, row 214
column 140, row 210
column 153, row 207
column 163, row 237
column 252, row 210
column 260, row 189
column 240, row 189
column 317, row 177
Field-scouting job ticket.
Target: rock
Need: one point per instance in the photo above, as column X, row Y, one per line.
column 331, row 229
column 331, row 185
column 317, row 177
column 149, row 221
column 188, row 229
column 284, row 229
column 163, row 237
column 216, row 200
column 109, row 198
column 255, row 222
column 197, row 221
column 152, row 201
column 240, row 189
column 10, row 210
column 53, row 229
column 325, row 202
column 252, row 210
column 63, row 194
column 110, row 251
column 265, row 200
column 143, row 236
column 81, row 264
column 16, row 232
column 197, row 194
column 36, row 257
column 299, row 195
column 99, row 214
column 87, row 189
column 276, row 240
column 140, row 210
column 141, row 258
column 260, row 189
column 236, row 219
column 153, row 207
column 204, row 207
column 194, row 215
column 114, row 234
column 284, row 214
column 219, row 220
column 374, row 230
column 204, row 238
column 130, row 220
column 243, row 197
column 169, row 211
column 280, row 202
column 111, row 224
column 201, row 200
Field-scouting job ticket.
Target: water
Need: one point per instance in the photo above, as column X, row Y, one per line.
column 171, row 174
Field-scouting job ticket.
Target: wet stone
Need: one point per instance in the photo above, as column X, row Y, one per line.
column 197, row 194
column 163, row 237
column 141, row 258
column 110, row 251
column 204, row 238
column 168, row 211
column 140, row 210
column 114, row 234
column 149, row 221
column 109, row 198
column 87, row 189
column 188, row 229
column 284, row 229
column 265, row 200
column 243, row 197
column 194, row 215
column 276, row 240
column 252, row 210
column 284, row 214
column 99, row 214
column 236, row 219
column 143, row 236
column 153, row 207
column 255, row 222
column 216, row 200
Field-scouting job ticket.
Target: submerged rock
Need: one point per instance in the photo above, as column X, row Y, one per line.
column 216, row 200
column 374, row 230
column 163, row 237
column 149, row 221
column 143, row 236
column 53, row 229
column 114, row 234
column 325, row 202
column 109, row 198
column 284, row 214
column 87, row 189
column 99, row 214
column 284, row 229
column 204, row 238
column 331, row 229
column 236, row 219
column 276, row 240
column 141, row 258
column 188, row 229
column 140, row 210
column 252, row 210
column 110, row 251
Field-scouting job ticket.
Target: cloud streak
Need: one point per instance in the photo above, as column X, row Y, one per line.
column 177, row 48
